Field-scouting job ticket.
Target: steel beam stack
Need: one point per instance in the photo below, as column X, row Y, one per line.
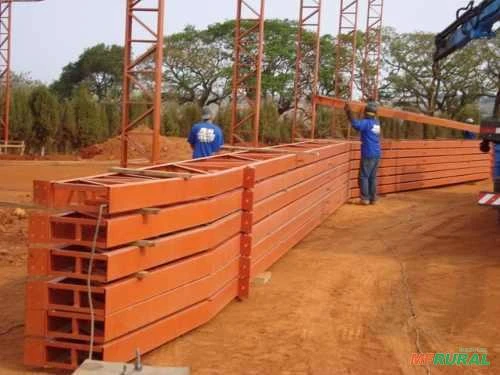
column 412, row 165
column 176, row 243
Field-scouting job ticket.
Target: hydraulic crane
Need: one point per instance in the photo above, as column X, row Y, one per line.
column 476, row 22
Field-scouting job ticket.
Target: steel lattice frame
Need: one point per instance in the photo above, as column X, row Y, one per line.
column 345, row 65
column 247, row 70
column 5, row 74
column 143, row 73
column 373, row 46
column 309, row 19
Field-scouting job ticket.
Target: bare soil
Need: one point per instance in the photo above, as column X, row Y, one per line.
column 371, row 286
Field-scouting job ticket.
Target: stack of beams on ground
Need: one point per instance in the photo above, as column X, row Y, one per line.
column 177, row 243
column 412, row 165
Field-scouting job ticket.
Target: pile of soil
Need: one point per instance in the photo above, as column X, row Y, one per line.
column 140, row 147
column 13, row 230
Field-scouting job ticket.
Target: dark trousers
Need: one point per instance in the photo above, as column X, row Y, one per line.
column 368, row 178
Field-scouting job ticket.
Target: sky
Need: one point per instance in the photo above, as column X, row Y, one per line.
column 50, row 34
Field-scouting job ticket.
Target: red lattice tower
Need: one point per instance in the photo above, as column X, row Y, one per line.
column 5, row 59
column 143, row 71
column 345, row 64
column 373, row 47
column 309, row 20
column 247, row 72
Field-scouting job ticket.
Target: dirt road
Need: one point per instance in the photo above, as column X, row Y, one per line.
column 371, row 286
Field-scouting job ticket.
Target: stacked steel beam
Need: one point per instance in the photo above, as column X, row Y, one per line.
column 412, row 165
column 176, row 244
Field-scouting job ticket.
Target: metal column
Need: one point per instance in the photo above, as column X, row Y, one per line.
column 5, row 45
column 345, row 65
column 309, row 20
column 373, row 46
column 247, row 71
column 143, row 71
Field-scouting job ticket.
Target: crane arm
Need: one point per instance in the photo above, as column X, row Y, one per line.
column 472, row 23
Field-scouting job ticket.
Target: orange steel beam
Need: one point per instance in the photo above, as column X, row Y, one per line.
column 217, row 175
column 373, row 48
column 159, row 294
column 125, row 261
column 247, row 71
column 143, row 71
column 309, row 19
column 42, row 352
column 428, row 183
column 398, row 114
column 5, row 73
column 285, row 242
column 78, row 229
column 69, row 295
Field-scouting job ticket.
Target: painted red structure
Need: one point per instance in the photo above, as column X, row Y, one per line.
column 143, row 71
column 345, row 63
column 5, row 56
column 345, row 66
column 309, row 20
column 373, row 47
column 247, row 71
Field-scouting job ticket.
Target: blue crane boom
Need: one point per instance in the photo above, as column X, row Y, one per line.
column 473, row 22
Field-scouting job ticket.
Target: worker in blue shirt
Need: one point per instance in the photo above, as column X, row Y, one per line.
column 205, row 137
column 369, row 129
column 468, row 134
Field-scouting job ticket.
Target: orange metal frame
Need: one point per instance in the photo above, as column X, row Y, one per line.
column 309, row 18
column 143, row 71
column 398, row 114
column 247, row 71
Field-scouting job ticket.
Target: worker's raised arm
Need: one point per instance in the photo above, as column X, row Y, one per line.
column 356, row 124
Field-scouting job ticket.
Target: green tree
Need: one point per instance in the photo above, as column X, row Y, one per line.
column 45, row 111
column 99, row 67
column 21, row 118
column 87, row 117
column 67, row 131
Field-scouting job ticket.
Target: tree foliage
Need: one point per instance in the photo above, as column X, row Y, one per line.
column 100, row 68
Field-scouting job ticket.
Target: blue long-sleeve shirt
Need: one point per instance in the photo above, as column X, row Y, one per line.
column 369, row 129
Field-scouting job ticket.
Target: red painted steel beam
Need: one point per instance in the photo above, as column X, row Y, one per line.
column 398, row 114
column 247, row 71
column 122, row 194
column 125, row 261
column 424, row 184
column 373, row 47
column 418, row 168
column 40, row 352
column 263, row 244
column 283, row 244
column 143, row 71
column 345, row 64
column 78, row 229
column 283, row 198
column 5, row 72
column 75, row 326
column 309, row 20
column 71, row 295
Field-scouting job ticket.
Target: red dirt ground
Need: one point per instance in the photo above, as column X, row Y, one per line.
column 372, row 285
column 140, row 147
